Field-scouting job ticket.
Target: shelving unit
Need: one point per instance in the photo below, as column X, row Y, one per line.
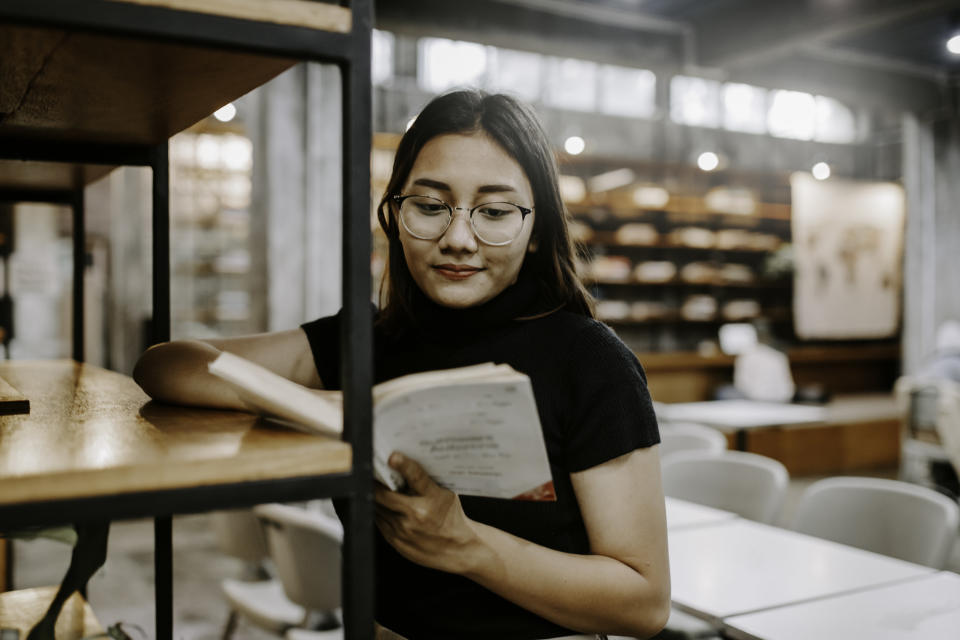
column 660, row 283
column 93, row 84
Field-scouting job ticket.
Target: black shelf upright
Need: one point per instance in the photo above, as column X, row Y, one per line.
column 350, row 51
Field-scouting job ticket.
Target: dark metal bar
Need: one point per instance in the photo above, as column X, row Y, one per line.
column 51, row 196
column 130, row 19
column 356, row 331
column 83, row 152
column 161, row 244
column 79, row 268
column 143, row 504
column 163, row 581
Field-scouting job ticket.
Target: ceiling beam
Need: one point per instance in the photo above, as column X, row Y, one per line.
column 756, row 34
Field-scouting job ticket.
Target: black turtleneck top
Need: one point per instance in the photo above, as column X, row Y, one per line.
column 594, row 406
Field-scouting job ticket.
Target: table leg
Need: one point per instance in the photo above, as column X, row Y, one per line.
column 740, row 439
column 89, row 554
column 163, row 576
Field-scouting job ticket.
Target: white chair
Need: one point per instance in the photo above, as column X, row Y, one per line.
column 304, row 546
column 687, row 436
column 748, row 484
column 239, row 534
column 891, row 517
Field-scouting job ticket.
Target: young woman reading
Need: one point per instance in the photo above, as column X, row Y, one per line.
column 481, row 268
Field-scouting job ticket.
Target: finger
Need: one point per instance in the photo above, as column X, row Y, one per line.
column 392, row 500
column 417, row 479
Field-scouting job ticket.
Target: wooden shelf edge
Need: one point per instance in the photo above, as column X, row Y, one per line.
column 299, row 13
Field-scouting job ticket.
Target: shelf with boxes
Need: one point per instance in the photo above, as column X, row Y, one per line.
column 684, row 267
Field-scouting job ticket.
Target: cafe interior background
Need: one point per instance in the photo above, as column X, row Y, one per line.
column 777, row 172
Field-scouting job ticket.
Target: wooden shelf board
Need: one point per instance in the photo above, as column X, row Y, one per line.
column 55, row 176
column 23, row 608
column 87, row 87
column 93, row 432
column 301, row 13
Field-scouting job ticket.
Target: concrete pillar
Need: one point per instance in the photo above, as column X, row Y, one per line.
column 297, row 174
column 931, row 164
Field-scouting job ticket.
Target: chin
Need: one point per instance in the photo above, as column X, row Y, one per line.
column 458, row 298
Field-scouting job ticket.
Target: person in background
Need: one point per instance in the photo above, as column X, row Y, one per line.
column 481, row 268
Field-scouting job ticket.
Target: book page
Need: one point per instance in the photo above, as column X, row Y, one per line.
column 475, row 438
column 277, row 397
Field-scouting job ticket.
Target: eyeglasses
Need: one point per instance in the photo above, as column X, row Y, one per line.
column 494, row 223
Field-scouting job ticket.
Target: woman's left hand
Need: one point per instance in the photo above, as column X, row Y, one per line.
column 427, row 525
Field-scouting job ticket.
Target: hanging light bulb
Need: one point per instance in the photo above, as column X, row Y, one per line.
column 821, row 171
column 574, row 145
column 226, row 113
column 953, row 45
column 708, row 161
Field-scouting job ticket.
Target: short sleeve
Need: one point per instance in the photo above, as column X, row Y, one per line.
column 324, row 337
column 611, row 409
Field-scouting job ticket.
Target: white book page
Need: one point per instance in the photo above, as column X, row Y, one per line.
column 480, row 438
column 275, row 396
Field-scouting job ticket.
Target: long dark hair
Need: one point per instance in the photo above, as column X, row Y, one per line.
column 516, row 128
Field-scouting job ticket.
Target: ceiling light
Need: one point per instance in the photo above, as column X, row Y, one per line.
column 821, row 171
column 708, row 161
column 225, row 113
column 953, row 45
column 574, row 145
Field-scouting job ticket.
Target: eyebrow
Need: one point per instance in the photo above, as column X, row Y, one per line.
column 443, row 186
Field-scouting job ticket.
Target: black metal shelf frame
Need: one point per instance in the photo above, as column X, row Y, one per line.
column 351, row 52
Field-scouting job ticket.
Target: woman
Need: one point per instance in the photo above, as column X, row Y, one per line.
column 481, row 269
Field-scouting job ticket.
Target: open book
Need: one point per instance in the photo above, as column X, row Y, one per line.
column 475, row 430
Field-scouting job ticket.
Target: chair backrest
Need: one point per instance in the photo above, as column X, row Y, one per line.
column 748, row 484
column 891, row 517
column 687, row 436
column 305, row 548
column 239, row 534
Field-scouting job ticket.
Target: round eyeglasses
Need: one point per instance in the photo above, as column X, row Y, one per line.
column 494, row 223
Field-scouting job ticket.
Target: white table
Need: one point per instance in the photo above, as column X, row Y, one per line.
column 742, row 414
column 682, row 514
column 926, row 608
column 740, row 566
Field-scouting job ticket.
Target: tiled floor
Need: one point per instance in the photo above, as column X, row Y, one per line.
column 122, row 591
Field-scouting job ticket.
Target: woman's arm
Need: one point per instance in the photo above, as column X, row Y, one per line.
column 176, row 372
column 622, row 587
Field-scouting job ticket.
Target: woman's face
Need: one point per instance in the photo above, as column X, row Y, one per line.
column 464, row 170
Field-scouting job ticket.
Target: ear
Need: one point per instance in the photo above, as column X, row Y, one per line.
column 532, row 244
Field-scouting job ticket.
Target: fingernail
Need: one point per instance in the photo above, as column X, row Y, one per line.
column 396, row 457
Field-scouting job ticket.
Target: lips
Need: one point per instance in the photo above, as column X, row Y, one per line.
column 456, row 271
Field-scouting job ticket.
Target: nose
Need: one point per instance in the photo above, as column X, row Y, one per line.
column 459, row 236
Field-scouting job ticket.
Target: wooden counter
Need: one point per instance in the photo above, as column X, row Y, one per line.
column 691, row 377
column 92, row 432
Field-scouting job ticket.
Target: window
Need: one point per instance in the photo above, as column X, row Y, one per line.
column 628, row 92
column 444, row 64
column 744, row 108
column 835, row 121
column 515, row 72
column 571, row 84
column 792, row 114
column 695, row 101
column 381, row 57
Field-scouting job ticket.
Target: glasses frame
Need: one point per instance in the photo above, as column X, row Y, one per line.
column 524, row 212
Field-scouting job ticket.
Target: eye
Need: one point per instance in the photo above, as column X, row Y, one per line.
column 428, row 206
column 496, row 210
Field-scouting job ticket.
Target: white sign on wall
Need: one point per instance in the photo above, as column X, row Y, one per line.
column 848, row 239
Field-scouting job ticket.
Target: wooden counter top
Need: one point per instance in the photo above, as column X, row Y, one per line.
column 92, row 432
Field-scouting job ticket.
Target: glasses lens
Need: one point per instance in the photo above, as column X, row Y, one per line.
column 497, row 222
column 424, row 217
